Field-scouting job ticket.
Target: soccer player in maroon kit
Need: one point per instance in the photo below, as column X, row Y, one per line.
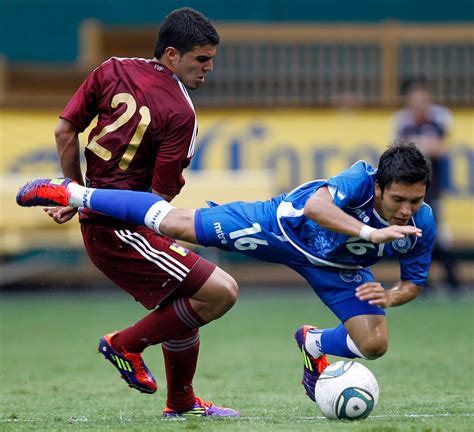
column 144, row 139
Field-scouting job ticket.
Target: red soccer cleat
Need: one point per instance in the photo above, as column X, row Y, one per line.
column 131, row 366
column 44, row 192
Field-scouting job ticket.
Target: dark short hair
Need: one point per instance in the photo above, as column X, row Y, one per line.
column 415, row 83
column 403, row 163
column 185, row 29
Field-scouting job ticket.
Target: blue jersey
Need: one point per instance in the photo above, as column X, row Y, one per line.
column 353, row 191
column 333, row 264
column 277, row 231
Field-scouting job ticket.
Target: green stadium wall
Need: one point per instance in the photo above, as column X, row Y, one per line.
column 47, row 30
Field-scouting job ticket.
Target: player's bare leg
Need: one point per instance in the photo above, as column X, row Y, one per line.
column 180, row 340
column 218, row 294
column 213, row 299
column 179, row 224
column 369, row 333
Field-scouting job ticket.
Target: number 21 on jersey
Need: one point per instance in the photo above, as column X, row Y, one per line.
column 131, row 109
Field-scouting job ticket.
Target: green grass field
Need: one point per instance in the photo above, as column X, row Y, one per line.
column 52, row 378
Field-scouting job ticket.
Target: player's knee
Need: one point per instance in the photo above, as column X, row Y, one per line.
column 373, row 348
column 216, row 296
column 229, row 292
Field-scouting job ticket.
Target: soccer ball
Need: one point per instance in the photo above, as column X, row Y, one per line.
column 346, row 390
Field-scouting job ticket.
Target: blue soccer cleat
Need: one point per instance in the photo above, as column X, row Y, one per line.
column 312, row 367
column 201, row 409
column 131, row 366
column 44, row 192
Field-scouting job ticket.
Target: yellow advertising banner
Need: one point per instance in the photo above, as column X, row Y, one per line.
column 294, row 146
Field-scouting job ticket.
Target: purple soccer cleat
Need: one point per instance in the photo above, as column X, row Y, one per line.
column 44, row 192
column 201, row 409
column 131, row 366
column 312, row 367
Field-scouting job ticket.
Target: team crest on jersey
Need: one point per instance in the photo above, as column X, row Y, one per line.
column 175, row 247
column 350, row 275
column 402, row 245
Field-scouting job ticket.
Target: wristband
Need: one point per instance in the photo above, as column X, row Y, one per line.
column 365, row 232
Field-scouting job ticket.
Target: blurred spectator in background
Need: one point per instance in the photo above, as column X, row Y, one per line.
column 427, row 125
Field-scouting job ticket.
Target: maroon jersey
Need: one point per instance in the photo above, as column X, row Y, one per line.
column 144, row 138
column 146, row 127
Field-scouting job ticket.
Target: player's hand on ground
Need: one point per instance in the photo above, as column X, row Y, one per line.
column 60, row 215
column 374, row 293
column 394, row 232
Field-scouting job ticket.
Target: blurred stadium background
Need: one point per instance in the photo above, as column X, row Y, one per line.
column 300, row 89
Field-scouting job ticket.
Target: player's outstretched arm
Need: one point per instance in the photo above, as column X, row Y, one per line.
column 402, row 292
column 67, row 143
column 321, row 208
column 393, row 232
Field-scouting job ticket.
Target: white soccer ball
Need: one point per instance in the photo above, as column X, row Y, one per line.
column 346, row 390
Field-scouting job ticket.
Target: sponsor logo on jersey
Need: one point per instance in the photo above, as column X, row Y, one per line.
column 362, row 215
column 220, row 234
column 350, row 275
column 402, row 245
column 175, row 247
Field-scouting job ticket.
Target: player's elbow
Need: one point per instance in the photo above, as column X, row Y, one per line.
column 64, row 130
column 312, row 209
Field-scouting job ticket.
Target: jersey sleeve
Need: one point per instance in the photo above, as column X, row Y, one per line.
column 174, row 154
column 415, row 265
column 352, row 187
column 82, row 107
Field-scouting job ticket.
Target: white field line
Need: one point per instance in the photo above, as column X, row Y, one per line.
column 259, row 418
column 372, row 416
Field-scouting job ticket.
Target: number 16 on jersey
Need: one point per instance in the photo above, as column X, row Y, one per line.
column 244, row 242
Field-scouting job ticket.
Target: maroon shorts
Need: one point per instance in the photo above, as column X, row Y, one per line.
column 145, row 264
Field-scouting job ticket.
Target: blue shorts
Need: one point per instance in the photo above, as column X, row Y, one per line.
column 252, row 230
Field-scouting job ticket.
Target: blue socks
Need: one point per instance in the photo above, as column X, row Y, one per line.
column 129, row 206
column 336, row 341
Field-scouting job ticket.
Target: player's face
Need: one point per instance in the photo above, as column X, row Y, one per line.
column 418, row 101
column 399, row 201
column 193, row 66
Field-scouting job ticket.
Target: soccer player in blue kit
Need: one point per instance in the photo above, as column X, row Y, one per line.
column 329, row 231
